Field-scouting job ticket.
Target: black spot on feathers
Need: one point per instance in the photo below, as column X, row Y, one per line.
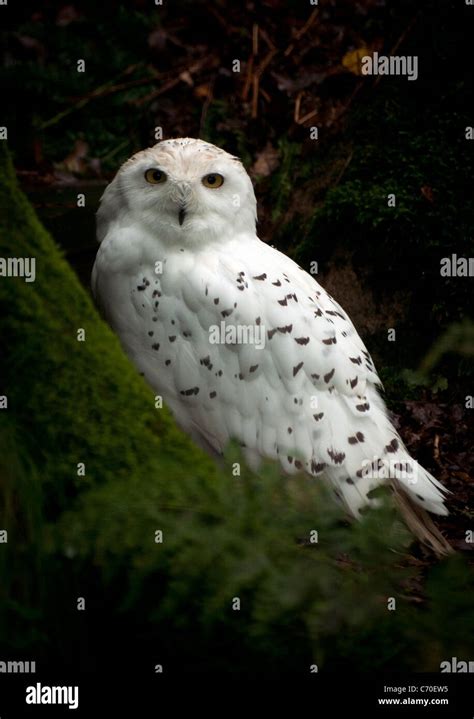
column 297, row 368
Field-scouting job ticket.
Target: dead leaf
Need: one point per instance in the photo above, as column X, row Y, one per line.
column 67, row 15
column 186, row 77
column 203, row 91
column 32, row 44
column 157, row 39
column 267, row 161
column 427, row 192
column 461, row 475
column 74, row 162
column 352, row 60
column 291, row 85
column 426, row 413
column 78, row 161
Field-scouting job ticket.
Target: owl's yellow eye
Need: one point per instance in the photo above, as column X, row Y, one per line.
column 213, row 180
column 154, row 176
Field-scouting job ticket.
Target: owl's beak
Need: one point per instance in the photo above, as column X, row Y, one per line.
column 181, row 195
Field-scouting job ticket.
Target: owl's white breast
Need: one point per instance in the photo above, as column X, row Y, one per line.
column 307, row 397
column 161, row 301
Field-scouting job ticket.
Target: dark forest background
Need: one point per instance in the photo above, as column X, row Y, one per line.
column 323, row 200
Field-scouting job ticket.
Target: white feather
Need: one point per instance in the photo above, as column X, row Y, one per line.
column 309, row 396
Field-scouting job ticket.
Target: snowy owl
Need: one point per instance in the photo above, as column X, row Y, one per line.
column 241, row 342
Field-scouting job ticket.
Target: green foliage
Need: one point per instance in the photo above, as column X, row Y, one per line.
column 243, row 542
column 68, row 401
column 456, row 343
column 427, row 175
column 459, row 338
column 283, row 182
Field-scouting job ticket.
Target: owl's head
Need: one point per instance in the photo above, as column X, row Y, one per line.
column 183, row 191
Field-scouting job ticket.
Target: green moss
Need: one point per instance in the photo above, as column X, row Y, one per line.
column 42, row 332
column 283, row 182
column 70, row 401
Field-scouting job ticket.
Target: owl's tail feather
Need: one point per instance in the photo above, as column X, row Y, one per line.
column 420, row 523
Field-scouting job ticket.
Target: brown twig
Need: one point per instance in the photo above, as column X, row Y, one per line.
column 267, row 38
column 302, row 31
column 296, row 115
column 206, row 104
column 248, row 79
column 344, row 168
column 222, row 21
column 106, row 89
column 399, row 42
column 307, row 117
column 255, row 39
column 156, row 93
column 255, row 84
column 351, row 99
column 265, row 62
column 256, row 79
column 178, row 77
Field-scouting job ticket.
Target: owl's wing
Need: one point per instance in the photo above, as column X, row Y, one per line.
column 302, row 388
column 243, row 344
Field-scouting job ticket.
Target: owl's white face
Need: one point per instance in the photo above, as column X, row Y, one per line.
column 182, row 191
